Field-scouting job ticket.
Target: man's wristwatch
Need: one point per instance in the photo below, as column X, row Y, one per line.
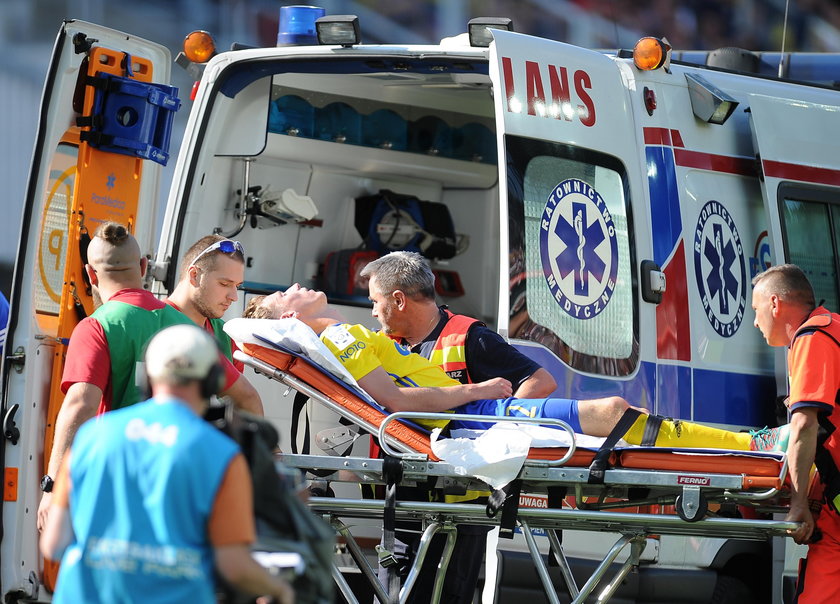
column 47, row 483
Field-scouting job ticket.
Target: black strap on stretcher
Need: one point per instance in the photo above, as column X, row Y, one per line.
column 506, row 499
column 96, row 121
column 84, row 242
column 599, row 465
column 392, row 472
column 81, row 313
column 556, row 495
column 298, row 407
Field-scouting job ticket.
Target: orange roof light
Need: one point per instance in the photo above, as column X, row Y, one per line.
column 651, row 53
column 199, row 46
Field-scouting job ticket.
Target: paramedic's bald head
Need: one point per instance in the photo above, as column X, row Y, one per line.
column 114, row 260
column 113, row 249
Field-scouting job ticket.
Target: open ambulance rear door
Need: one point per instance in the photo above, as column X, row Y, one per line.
column 799, row 152
column 568, row 158
column 76, row 182
column 569, row 168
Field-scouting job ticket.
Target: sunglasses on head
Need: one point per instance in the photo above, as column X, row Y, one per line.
column 226, row 246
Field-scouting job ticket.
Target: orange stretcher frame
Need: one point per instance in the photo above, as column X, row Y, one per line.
column 758, row 472
column 355, row 405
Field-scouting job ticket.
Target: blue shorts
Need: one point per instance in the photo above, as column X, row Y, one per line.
column 557, row 408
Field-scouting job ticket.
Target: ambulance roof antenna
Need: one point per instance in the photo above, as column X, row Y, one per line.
column 784, row 32
column 615, row 25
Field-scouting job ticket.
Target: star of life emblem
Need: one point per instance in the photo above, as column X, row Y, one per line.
column 578, row 249
column 719, row 269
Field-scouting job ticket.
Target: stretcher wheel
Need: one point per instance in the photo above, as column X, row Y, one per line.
column 691, row 509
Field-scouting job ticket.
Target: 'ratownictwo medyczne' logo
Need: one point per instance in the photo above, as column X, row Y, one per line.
column 578, row 249
column 719, row 268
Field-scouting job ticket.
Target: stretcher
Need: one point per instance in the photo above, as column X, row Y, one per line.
column 595, row 489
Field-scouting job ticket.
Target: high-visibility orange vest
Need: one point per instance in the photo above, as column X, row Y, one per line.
column 828, row 449
column 450, row 350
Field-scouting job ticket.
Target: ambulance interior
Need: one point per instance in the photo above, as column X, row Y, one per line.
column 281, row 140
column 296, row 150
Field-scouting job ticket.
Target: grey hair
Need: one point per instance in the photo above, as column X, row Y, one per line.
column 789, row 282
column 408, row 272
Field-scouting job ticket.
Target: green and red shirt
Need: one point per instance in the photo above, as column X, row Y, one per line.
column 106, row 347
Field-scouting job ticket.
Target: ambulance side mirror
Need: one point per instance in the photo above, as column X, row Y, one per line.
column 653, row 282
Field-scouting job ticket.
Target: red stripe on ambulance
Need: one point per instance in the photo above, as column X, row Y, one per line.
column 663, row 136
column 824, row 176
column 669, row 137
column 744, row 166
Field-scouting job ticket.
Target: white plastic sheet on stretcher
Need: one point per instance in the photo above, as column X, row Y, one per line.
column 588, row 488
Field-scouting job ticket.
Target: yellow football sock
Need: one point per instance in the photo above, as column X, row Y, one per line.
column 689, row 435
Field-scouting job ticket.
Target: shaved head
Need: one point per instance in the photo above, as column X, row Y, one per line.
column 114, row 261
column 113, row 249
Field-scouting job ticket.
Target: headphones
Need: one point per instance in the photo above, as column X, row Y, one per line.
column 213, row 382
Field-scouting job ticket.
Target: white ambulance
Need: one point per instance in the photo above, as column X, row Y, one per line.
column 604, row 214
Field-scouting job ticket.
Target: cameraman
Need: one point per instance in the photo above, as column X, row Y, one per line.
column 151, row 495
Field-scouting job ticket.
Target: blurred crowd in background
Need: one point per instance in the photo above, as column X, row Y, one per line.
column 813, row 25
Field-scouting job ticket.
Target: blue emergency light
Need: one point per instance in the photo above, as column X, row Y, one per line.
column 297, row 25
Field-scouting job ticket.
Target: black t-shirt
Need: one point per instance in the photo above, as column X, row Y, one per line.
column 488, row 355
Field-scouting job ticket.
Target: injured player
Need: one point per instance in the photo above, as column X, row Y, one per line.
column 402, row 381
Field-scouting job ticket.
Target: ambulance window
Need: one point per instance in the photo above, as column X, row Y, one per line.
column 571, row 282
column 812, row 238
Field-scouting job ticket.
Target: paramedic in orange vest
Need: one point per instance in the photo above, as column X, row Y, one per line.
column 786, row 314
column 402, row 289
